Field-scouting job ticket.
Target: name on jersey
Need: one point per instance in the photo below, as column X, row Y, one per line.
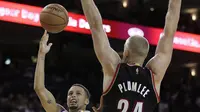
column 135, row 87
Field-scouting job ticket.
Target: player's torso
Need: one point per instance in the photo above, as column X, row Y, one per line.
column 132, row 91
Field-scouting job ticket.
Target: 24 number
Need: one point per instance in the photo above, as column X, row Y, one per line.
column 124, row 105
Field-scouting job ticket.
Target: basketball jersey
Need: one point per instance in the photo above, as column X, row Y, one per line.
column 132, row 90
column 62, row 109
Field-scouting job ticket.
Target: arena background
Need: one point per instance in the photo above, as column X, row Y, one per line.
column 72, row 59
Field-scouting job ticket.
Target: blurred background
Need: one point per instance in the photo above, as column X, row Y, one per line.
column 72, row 59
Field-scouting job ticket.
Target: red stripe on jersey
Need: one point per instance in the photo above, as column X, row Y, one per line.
column 113, row 80
column 154, row 86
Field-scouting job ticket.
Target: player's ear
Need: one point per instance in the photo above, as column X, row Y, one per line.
column 87, row 101
column 125, row 54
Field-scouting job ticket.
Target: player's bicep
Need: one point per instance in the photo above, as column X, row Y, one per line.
column 159, row 64
column 105, row 54
column 165, row 45
column 47, row 100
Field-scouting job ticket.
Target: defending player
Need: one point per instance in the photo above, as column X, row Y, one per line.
column 127, row 85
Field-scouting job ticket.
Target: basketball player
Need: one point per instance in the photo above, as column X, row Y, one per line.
column 78, row 96
column 127, row 85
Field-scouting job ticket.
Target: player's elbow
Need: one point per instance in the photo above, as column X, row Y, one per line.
column 38, row 88
column 39, row 91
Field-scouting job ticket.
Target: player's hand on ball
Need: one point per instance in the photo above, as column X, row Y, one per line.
column 44, row 48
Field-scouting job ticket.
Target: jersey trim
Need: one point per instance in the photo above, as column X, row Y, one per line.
column 113, row 80
column 60, row 106
column 135, row 64
column 154, row 86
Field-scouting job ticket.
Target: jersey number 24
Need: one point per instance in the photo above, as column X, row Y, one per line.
column 123, row 105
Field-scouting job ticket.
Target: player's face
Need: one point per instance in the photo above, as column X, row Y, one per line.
column 77, row 98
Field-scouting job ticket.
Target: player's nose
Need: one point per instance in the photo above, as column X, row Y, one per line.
column 73, row 95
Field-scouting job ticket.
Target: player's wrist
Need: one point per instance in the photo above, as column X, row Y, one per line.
column 41, row 56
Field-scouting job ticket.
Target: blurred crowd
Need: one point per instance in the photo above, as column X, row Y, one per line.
column 17, row 94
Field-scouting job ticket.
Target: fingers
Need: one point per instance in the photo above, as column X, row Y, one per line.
column 50, row 44
column 45, row 33
column 45, row 37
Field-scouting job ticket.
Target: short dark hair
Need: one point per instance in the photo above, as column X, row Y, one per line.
column 85, row 89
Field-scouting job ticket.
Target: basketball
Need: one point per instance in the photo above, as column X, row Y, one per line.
column 54, row 18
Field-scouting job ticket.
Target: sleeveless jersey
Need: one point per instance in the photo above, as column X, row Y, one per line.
column 62, row 109
column 132, row 90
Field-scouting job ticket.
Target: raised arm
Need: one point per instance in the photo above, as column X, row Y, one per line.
column 46, row 98
column 105, row 54
column 160, row 62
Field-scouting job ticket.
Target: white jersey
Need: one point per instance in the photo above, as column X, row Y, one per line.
column 64, row 110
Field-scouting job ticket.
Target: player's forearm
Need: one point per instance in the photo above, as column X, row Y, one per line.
column 39, row 73
column 100, row 40
column 165, row 44
column 172, row 17
column 92, row 14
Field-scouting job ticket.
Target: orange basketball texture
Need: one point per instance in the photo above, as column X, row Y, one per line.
column 54, row 18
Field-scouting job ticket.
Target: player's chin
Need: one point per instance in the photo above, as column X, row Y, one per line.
column 73, row 107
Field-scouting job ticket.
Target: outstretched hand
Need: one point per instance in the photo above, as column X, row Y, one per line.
column 44, row 48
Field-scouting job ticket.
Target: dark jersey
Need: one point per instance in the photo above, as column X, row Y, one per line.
column 132, row 90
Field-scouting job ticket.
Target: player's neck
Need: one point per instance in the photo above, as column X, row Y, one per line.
column 78, row 110
column 73, row 110
column 135, row 61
